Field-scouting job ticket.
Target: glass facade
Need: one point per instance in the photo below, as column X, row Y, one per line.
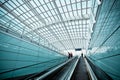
column 19, row 58
column 63, row 24
column 105, row 42
column 44, row 28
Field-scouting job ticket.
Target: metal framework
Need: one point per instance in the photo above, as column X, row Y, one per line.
column 63, row 24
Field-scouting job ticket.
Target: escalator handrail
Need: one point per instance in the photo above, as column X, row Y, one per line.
column 73, row 69
column 53, row 70
column 68, row 74
column 97, row 67
column 28, row 66
column 90, row 71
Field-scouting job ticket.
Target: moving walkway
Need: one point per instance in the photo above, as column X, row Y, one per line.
column 75, row 68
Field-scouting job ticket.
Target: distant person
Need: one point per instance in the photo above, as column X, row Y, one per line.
column 81, row 54
column 71, row 55
column 68, row 55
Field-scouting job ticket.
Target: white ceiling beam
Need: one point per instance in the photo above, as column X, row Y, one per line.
column 18, row 18
column 62, row 21
column 33, row 10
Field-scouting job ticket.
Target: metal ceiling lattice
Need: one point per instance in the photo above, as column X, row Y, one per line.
column 65, row 24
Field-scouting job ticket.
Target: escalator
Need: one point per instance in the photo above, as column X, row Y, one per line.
column 76, row 68
column 81, row 72
column 63, row 73
column 58, row 75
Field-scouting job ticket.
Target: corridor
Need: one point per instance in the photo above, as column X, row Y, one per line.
column 59, row 39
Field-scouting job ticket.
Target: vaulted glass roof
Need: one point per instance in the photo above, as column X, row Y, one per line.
column 63, row 24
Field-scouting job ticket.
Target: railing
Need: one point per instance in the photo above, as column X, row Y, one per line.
column 90, row 71
column 71, row 69
column 40, row 65
column 54, row 69
column 100, row 74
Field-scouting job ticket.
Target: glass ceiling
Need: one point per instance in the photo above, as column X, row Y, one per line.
column 62, row 24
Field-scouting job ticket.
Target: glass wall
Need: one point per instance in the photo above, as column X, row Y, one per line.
column 105, row 42
column 19, row 57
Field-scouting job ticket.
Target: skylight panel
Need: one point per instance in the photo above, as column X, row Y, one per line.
column 62, row 2
column 33, row 4
column 78, row 5
column 50, row 6
column 20, row 10
column 66, row 14
column 71, row 14
column 69, row 7
column 63, row 16
column 2, row 21
column 15, row 11
column 49, row 13
column 46, row 20
column 41, row 9
column 28, row 14
column 41, row 1
column 45, row 14
column 2, row 11
column 83, row 4
column 31, row 13
column 65, row 9
column 10, row 7
column 15, row 2
column 12, row 4
column 26, row 8
column 23, row 17
column 60, row 9
column 45, row 8
column 73, row 6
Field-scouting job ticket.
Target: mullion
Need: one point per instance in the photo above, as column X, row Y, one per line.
column 67, row 9
column 32, row 12
column 9, row 16
column 64, row 14
column 60, row 26
column 13, row 23
column 23, row 12
column 11, row 10
column 87, row 13
column 72, row 26
column 41, row 10
column 104, row 25
column 36, row 10
column 44, row 10
column 62, row 9
column 78, row 28
column 54, row 10
column 86, row 7
column 82, row 20
column 48, row 14
column 72, row 5
column 76, row 7
column 50, row 11
column 51, row 16
column 72, row 8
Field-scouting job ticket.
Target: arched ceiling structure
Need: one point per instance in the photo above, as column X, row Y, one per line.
column 62, row 24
